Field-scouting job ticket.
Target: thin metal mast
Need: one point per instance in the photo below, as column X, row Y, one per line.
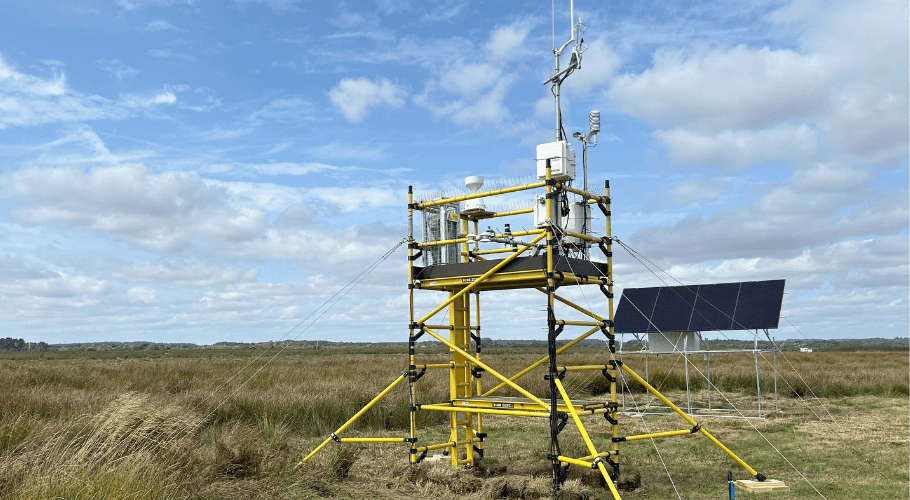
column 575, row 29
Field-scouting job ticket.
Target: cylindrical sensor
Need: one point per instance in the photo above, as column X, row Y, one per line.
column 594, row 121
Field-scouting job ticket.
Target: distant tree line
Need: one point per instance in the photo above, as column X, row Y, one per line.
column 11, row 344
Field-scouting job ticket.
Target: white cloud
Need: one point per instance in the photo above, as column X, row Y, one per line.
column 599, row 64
column 354, row 97
column 445, row 11
column 117, row 68
column 467, row 79
column 136, row 4
column 824, row 177
column 868, row 125
column 470, row 81
column 158, row 212
column 348, row 199
column 359, row 24
column 851, row 264
column 170, row 54
column 839, row 93
column 176, row 273
column 289, row 109
column 159, row 25
column 141, row 295
column 16, row 267
column 479, row 90
column 165, row 96
column 393, row 6
column 830, row 114
column 787, row 218
column 737, row 150
column 278, row 168
column 278, row 6
column 14, row 82
column 80, row 145
column 61, row 286
column 719, row 88
column 27, row 100
column 345, row 151
column 506, row 42
column 695, row 190
column 335, row 250
column 854, row 285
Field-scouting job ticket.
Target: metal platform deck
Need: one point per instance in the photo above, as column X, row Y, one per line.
column 523, row 272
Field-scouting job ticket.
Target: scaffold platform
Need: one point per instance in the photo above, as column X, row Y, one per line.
column 523, row 404
column 522, row 272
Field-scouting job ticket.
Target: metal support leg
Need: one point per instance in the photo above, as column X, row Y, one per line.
column 776, row 403
column 757, row 383
column 708, row 361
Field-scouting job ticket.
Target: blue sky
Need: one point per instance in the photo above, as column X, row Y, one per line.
column 200, row 171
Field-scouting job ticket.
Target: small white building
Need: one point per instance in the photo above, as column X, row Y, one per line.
column 805, row 349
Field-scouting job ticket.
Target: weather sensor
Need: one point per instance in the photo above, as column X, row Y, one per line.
column 474, row 183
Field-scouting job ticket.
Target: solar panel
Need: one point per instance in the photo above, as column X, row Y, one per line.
column 747, row 305
column 632, row 301
column 672, row 303
column 713, row 308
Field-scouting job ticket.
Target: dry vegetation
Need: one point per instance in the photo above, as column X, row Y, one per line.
column 187, row 428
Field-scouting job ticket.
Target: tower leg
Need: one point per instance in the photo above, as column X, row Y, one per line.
column 461, row 379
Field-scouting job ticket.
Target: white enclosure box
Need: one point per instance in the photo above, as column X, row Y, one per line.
column 667, row 342
column 540, row 212
column 562, row 161
column 579, row 221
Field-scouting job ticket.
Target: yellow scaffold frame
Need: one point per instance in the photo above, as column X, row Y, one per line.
column 468, row 402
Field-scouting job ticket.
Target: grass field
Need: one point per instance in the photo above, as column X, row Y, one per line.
column 205, row 424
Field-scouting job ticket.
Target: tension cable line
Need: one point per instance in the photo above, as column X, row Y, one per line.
column 653, row 441
column 325, row 306
column 628, row 249
column 624, row 383
column 839, row 426
column 590, row 308
column 738, row 411
column 675, row 361
column 635, row 254
column 343, row 291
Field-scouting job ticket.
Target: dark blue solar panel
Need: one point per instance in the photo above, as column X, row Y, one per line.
column 713, row 307
column 635, row 322
column 669, row 314
column 723, row 306
column 759, row 305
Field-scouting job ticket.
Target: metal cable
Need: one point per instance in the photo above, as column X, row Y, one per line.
column 653, row 441
column 820, row 419
column 591, row 309
column 741, row 413
column 590, row 378
column 342, row 291
column 635, row 254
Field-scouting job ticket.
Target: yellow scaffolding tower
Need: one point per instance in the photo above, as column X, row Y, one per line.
column 546, row 273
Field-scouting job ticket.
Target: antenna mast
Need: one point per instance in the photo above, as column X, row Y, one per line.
column 575, row 31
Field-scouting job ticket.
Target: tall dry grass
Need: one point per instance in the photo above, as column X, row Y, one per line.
column 215, row 428
column 134, row 448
